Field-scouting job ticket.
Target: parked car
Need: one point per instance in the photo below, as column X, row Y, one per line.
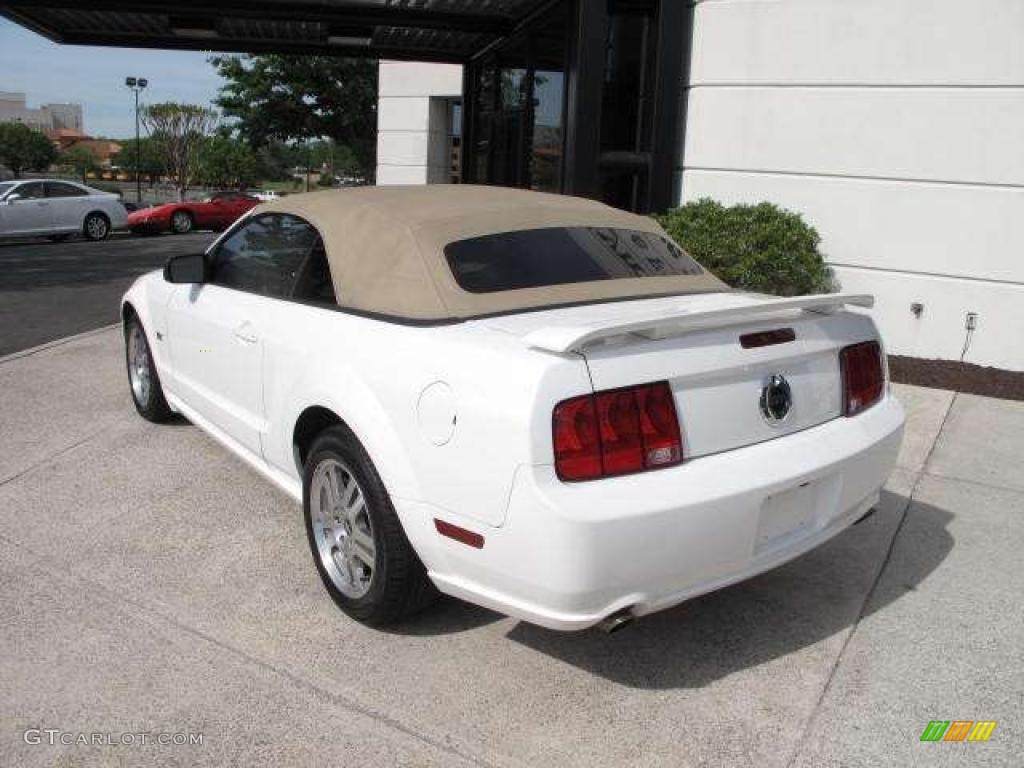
column 267, row 195
column 217, row 213
column 536, row 403
column 58, row 209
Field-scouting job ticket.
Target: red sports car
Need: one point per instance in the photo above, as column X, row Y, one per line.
column 219, row 212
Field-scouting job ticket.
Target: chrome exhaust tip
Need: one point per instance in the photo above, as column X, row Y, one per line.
column 616, row 621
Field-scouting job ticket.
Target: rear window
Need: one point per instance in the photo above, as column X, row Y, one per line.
column 534, row 258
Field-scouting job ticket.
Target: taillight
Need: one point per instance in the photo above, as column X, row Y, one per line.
column 577, row 445
column 616, row 432
column 863, row 377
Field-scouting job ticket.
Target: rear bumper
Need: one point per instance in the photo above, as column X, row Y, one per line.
column 119, row 220
column 571, row 554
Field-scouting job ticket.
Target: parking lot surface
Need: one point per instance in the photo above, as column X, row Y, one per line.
column 52, row 290
column 151, row 582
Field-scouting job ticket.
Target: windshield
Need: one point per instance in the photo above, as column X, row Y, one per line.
column 558, row 255
column 5, row 187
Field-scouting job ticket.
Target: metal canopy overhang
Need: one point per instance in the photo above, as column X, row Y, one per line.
column 417, row 30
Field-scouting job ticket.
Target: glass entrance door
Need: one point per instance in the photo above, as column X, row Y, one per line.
column 626, row 108
column 517, row 108
column 583, row 99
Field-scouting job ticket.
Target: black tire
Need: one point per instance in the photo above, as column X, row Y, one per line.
column 96, row 226
column 150, row 404
column 182, row 222
column 399, row 586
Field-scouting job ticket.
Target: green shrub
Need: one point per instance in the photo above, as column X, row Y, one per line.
column 760, row 248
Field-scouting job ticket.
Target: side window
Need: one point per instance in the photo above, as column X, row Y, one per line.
column 314, row 283
column 58, row 189
column 30, row 191
column 264, row 255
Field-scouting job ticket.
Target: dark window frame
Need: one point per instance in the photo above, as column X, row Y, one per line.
column 18, row 190
column 304, row 271
column 79, row 191
column 214, row 253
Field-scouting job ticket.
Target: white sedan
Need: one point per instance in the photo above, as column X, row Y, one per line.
column 58, row 209
column 535, row 403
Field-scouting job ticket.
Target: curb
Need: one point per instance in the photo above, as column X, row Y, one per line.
column 57, row 343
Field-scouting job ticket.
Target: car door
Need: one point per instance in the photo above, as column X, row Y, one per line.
column 30, row 213
column 214, row 329
column 67, row 203
column 219, row 211
column 235, row 206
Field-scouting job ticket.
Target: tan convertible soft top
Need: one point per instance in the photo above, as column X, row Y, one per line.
column 385, row 247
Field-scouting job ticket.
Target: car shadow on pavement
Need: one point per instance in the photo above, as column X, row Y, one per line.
column 753, row 622
column 447, row 616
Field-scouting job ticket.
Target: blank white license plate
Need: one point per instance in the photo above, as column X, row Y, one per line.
column 788, row 513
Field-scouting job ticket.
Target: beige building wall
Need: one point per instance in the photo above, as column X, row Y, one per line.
column 895, row 127
column 412, row 121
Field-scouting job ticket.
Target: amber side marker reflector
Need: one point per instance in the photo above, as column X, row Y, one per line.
column 767, row 338
column 459, row 534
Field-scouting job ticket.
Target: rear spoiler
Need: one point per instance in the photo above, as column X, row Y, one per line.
column 673, row 322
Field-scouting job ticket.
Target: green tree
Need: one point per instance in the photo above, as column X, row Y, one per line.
column 150, row 158
column 276, row 160
column 302, row 98
column 81, row 160
column 227, row 162
column 23, row 149
column 179, row 131
column 333, row 159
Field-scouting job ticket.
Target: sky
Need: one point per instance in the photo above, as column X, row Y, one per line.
column 94, row 77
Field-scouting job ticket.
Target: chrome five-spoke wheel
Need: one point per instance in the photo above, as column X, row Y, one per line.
column 342, row 528
column 361, row 551
column 139, row 373
column 143, row 377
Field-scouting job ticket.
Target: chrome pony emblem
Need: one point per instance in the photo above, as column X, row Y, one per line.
column 776, row 399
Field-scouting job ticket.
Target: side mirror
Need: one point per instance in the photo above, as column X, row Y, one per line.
column 12, row 198
column 188, row 269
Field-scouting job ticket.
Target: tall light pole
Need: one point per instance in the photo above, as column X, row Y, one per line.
column 136, row 84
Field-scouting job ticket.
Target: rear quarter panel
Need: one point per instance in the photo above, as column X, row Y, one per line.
column 117, row 212
column 374, row 374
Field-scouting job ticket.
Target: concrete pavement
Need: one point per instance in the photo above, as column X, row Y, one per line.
column 150, row 581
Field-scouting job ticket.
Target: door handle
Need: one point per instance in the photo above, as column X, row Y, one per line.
column 246, row 334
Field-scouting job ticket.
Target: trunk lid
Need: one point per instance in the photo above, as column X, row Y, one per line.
column 694, row 343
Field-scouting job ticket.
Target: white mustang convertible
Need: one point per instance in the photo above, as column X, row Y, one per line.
column 535, row 403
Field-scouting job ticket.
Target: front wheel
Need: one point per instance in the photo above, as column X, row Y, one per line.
column 96, row 226
column 361, row 552
column 181, row 222
column 147, row 394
